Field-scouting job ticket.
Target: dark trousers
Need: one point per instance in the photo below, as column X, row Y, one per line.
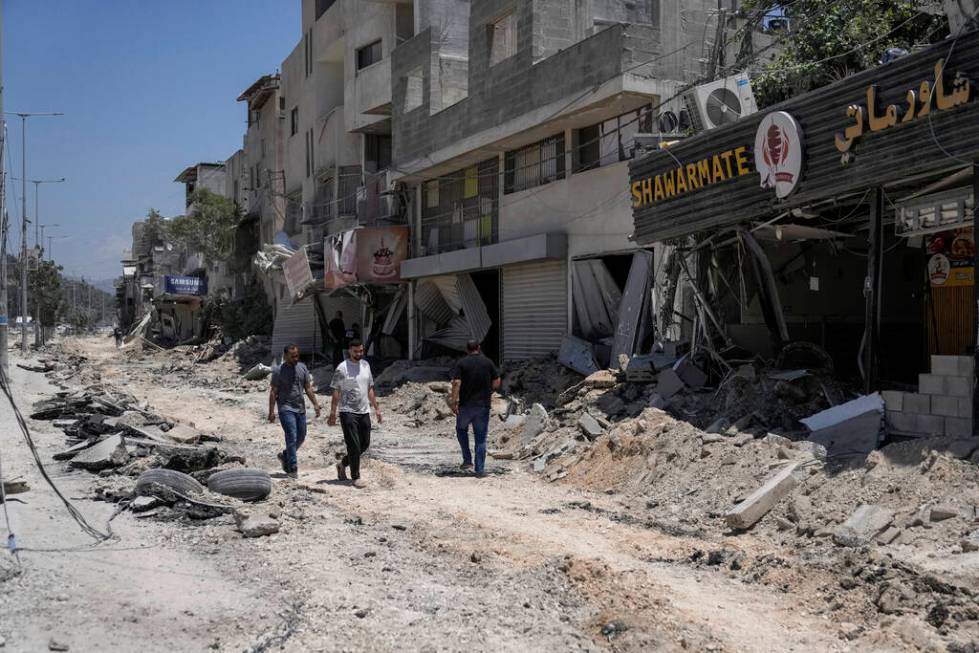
column 294, row 429
column 357, row 436
column 478, row 416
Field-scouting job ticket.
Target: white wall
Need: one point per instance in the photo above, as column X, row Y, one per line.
column 569, row 206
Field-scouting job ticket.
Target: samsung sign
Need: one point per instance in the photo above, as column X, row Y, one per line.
column 185, row 285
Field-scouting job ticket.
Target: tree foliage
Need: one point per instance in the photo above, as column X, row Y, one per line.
column 155, row 228
column 209, row 228
column 828, row 41
column 44, row 282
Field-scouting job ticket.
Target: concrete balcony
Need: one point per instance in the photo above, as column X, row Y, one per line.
column 367, row 99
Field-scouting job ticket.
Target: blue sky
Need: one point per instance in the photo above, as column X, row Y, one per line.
column 147, row 88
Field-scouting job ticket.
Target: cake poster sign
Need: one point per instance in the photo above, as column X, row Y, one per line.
column 951, row 258
column 380, row 251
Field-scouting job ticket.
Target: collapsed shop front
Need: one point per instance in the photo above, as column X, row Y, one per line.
column 843, row 219
column 177, row 305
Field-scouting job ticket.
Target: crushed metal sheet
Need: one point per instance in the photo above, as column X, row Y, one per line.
column 578, row 355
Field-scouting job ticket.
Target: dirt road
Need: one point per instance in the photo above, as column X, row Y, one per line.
column 423, row 559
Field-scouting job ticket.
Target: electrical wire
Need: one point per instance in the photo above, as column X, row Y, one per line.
column 97, row 535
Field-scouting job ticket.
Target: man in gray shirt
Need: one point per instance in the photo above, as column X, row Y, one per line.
column 353, row 395
column 289, row 381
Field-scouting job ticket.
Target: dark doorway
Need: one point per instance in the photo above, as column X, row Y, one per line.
column 488, row 284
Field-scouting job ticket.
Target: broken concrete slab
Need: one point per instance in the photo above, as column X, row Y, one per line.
column 742, row 439
column 719, row 425
column 72, row 451
column 578, row 355
column 108, row 453
column 536, row 421
column 142, row 504
column 943, row 512
column 641, row 369
column 255, row 525
column 889, row 535
column 590, row 427
column 258, row 372
column 690, row 374
column 852, row 435
column 513, row 421
column 657, row 401
column 183, row 434
column 758, row 503
column 668, row 383
column 863, row 525
column 600, row 380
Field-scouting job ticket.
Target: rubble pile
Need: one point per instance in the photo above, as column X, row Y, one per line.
column 249, row 351
column 423, row 371
column 539, row 380
column 152, row 464
column 422, row 403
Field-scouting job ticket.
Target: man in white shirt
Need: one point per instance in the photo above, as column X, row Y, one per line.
column 353, row 395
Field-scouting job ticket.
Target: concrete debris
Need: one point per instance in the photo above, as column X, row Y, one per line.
column 144, row 503
column 668, row 383
column 259, row 372
column 590, row 427
column 889, row 535
column 600, row 380
column 108, row 453
column 16, row 487
column 943, row 512
column 690, row 374
column 657, row 401
column 863, row 525
column 183, row 434
column 759, row 502
column 720, row 425
column 57, row 645
column 255, row 525
column 536, row 422
column 578, row 355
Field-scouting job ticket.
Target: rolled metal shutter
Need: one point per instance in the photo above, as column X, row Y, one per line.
column 535, row 309
column 296, row 324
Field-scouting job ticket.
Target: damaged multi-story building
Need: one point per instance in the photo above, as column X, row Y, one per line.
column 513, row 123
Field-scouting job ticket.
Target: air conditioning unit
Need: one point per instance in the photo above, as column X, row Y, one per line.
column 720, row 102
column 672, row 118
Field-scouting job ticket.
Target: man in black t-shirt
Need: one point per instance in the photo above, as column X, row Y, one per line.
column 338, row 331
column 474, row 378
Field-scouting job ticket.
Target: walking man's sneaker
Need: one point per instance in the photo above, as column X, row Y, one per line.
column 282, row 461
column 293, row 475
column 341, row 472
column 359, row 483
column 466, row 466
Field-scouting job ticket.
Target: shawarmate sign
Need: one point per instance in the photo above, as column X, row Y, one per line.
column 297, row 273
column 913, row 118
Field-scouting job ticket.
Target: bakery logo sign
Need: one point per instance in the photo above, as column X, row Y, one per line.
column 778, row 152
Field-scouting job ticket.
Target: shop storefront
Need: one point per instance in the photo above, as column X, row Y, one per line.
column 842, row 218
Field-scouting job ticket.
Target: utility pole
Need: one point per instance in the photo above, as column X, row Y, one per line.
column 23, row 221
column 4, row 320
column 39, row 244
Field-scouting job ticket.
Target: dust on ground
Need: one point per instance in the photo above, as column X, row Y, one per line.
column 616, row 542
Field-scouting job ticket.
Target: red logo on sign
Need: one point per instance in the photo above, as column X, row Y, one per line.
column 777, row 151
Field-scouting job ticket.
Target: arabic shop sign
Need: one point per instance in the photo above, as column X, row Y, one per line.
column 929, row 96
column 684, row 179
column 185, row 285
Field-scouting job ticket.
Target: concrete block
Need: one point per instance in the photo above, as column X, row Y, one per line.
column 893, row 399
column 945, row 365
column 931, row 384
column 861, row 527
column 965, row 407
column 967, row 366
column 889, row 535
column 958, row 426
column 759, row 502
column 590, row 427
column 668, row 384
column 917, row 403
column 929, row 424
column 902, row 422
column 943, row 512
column 692, row 375
column 110, row 452
column 944, row 406
column 958, row 386
column 855, row 435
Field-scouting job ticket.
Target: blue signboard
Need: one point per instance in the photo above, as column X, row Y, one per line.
column 185, row 285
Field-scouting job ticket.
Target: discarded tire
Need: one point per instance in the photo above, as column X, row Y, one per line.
column 244, row 484
column 176, row 481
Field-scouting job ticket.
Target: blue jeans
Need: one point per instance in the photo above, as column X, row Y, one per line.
column 478, row 416
column 294, row 427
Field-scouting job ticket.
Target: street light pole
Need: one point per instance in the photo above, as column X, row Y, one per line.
column 23, row 222
column 39, row 244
